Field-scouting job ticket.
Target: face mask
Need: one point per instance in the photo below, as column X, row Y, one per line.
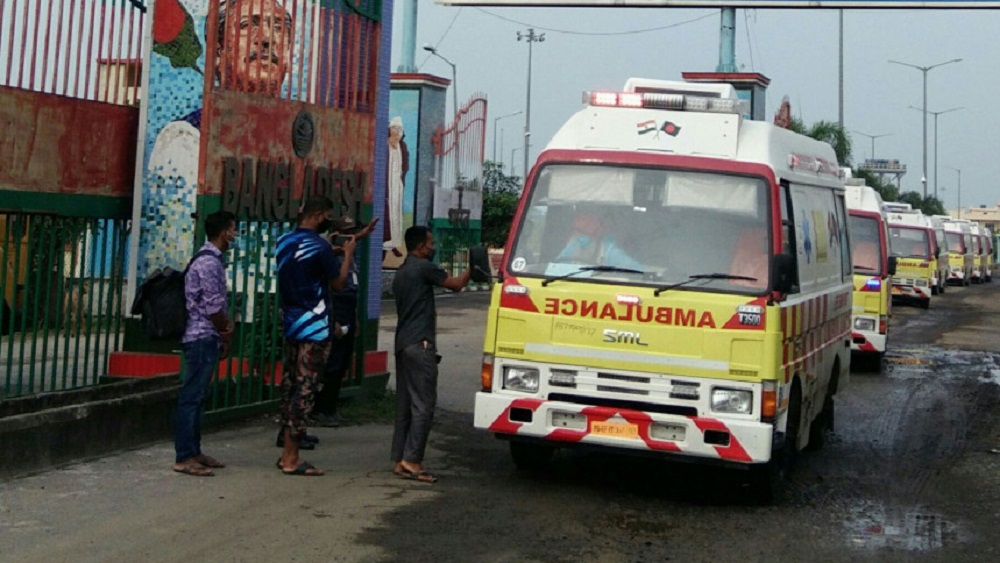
column 324, row 226
column 234, row 243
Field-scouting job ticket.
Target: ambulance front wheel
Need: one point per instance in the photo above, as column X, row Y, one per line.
column 530, row 457
column 766, row 479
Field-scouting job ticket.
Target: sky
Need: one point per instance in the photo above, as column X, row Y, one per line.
column 796, row 49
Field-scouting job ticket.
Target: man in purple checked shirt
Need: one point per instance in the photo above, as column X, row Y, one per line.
column 207, row 332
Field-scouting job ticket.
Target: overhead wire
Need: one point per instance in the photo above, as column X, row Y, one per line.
column 746, row 27
column 441, row 39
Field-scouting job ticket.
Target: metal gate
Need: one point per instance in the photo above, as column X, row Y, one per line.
column 69, row 84
column 458, row 193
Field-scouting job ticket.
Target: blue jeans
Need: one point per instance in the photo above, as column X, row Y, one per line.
column 200, row 360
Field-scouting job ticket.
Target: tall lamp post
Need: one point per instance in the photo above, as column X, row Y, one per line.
column 531, row 38
column 925, row 70
column 959, row 190
column 873, row 137
column 495, row 119
column 936, row 114
column 454, row 95
column 512, row 151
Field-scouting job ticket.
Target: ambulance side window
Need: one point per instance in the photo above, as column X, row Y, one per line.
column 788, row 227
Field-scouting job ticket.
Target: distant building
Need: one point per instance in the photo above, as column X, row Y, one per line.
column 988, row 216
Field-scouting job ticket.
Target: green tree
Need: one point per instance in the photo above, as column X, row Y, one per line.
column 494, row 179
column 930, row 205
column 500, row 195
column 830, row 133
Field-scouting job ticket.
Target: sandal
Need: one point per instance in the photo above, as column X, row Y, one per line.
column 194, row 469
column 304, row 469
column 209, row 461
column 421, row 476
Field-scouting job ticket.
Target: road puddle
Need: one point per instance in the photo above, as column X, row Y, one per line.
column 873, row 526
column 942, row 364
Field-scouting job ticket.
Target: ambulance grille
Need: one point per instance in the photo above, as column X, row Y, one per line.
column 623, row 404
column 625, row 378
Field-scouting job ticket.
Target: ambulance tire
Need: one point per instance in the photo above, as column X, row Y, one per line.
column 925, row 303
column 766, row 479
column 823, row 422
column 530, row 457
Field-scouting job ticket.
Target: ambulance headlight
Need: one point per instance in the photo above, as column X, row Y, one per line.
column 520, row 379
column 864, row 324
column 738, row 401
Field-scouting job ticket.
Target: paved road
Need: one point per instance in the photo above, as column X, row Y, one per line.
column 908, row 475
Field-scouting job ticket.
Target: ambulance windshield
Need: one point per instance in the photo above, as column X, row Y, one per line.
column 908, row 242
column 664, row 225
column 956, row 243
column 866, row 245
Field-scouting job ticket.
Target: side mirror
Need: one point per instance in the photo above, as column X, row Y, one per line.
column 892, row 265
column 783, row 272
column 479, row 264
column 937, row 252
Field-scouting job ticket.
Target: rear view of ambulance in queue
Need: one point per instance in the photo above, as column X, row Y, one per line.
column 677, row 282
column 958, row 233
column 912, row 242
column 872, row 266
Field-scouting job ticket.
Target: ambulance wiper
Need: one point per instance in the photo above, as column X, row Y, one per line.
column 547, row 281
column 696, row 277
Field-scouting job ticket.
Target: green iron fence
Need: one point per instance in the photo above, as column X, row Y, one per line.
column 62, row 292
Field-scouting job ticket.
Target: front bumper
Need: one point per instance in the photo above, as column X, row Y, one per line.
column 739, row 441
column 908, row 289
column 865, row 341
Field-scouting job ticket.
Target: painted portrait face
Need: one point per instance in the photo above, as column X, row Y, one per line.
column 255, row 46
column 395, row 134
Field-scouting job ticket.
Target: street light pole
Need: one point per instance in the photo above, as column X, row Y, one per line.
column 925, row 70
column 512, row 151
column 454, row 94
column 936, row 114
column 873, row 137
column 531, row 38
column 495, row 119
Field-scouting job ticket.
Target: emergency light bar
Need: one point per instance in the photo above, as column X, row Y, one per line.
column 676, row 102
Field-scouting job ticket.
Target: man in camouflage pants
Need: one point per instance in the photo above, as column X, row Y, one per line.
column 307, row 271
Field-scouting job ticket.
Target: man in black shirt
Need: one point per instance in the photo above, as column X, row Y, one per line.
column 416, row 352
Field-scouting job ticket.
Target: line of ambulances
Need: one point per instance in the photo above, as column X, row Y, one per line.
column 933, row 251
column 678, row 281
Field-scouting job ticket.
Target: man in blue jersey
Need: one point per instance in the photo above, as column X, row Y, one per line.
column 307, row 271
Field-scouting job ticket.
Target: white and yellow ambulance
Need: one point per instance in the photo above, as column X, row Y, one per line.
column 958, row 233
column 987, row 255
column 873, row 269
column 939, row 248
column 913, row 243
column 677, row 282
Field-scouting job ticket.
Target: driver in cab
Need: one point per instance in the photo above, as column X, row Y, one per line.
column 591, row 243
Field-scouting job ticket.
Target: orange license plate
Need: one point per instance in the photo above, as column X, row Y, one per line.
column 614, row 429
